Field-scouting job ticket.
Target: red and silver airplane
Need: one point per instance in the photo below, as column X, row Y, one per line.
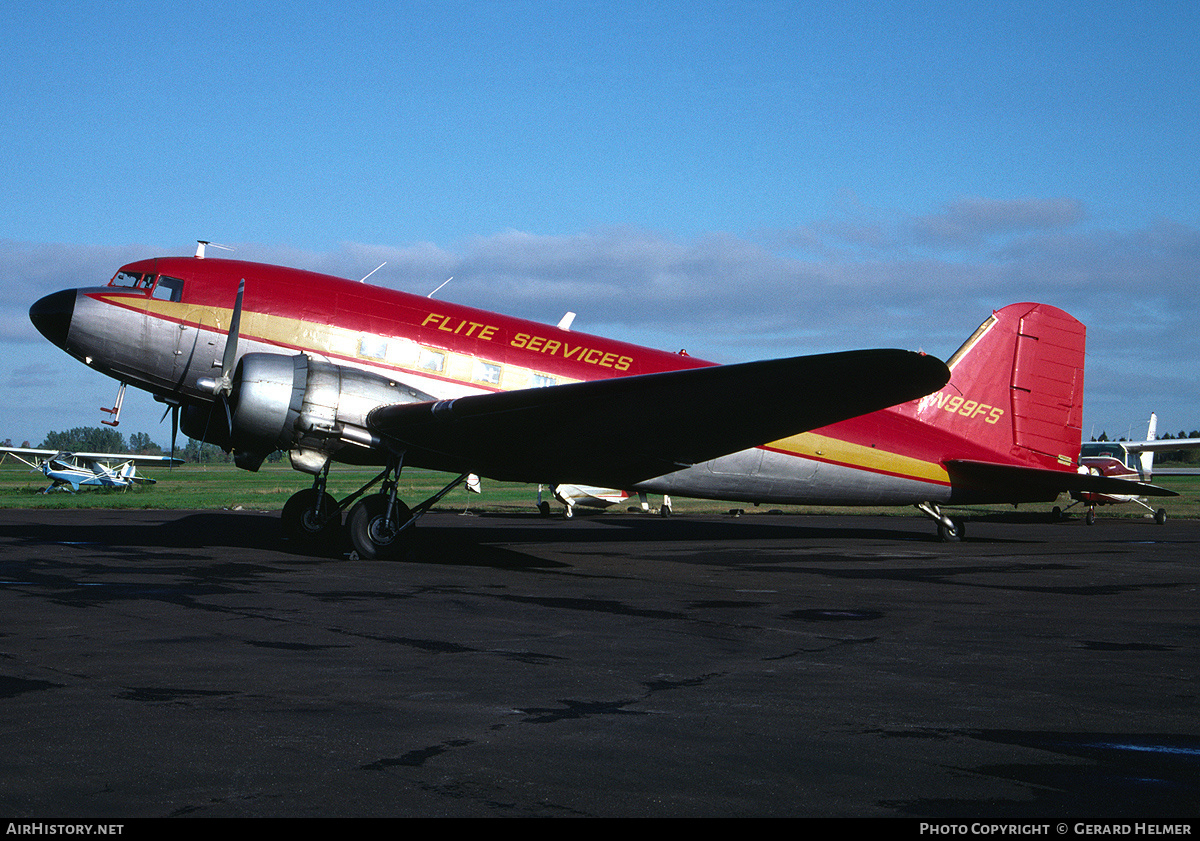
column 258, row 358
column 1132, row 460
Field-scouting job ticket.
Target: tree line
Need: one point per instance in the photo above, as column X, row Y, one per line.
column 105, row 439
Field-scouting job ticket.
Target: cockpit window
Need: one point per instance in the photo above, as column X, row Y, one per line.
column 133, row 280
column 1102, row 450
column 168, row 288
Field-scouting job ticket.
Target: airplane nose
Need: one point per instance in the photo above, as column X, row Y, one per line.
column 52, row 315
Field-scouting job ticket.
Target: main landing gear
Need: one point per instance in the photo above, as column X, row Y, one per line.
column 379, row 525
column 1160, row 516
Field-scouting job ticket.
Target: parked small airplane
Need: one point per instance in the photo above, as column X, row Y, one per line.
column 1131, row 460
column 588, row 496
column 259, row 358
column 71, row 471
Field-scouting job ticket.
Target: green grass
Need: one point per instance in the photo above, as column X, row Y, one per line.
column 195, row 486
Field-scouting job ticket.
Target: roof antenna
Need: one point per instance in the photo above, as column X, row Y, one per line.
column 200, row 243
column 377, row 268
column 440, row 285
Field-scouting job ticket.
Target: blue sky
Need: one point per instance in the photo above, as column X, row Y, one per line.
column 742, row 179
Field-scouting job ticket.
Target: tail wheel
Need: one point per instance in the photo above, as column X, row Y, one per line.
column 952, row 534
column 374, row 534
column 303, row 520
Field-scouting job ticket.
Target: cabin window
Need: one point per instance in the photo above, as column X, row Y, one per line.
column 543, row 380
column 169, row 289
column 373, row 347
column 431, row 360
column 486, row 372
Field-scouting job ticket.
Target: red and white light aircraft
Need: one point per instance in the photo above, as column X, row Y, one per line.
column 259, row 358
column 1133, row 460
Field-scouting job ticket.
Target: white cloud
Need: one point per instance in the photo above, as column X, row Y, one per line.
column 867, row 281
column 968, row 222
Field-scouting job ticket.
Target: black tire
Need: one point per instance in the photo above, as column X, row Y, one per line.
column 1090, row 519
column 954, row 534
column 372, row 535
column 1160, row 516
column 300, row 523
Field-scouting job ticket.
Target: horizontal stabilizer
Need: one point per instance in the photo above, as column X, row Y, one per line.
column 1041, row 483
column 663, row 422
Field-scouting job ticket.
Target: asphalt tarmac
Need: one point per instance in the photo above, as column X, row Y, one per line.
column 159, row 664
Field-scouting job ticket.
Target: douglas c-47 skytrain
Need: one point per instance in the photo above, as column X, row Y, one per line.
column 258, row 358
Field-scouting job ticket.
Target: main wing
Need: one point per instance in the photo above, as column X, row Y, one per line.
column 32, row 452
column 662, row 422
column 1160, row 445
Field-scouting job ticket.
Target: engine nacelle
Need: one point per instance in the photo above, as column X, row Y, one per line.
column 310, row 408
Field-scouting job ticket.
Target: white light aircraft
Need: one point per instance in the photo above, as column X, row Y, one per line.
column 1131, row 460
column 71, row 471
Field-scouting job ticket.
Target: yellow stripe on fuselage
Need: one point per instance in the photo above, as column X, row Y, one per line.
column 835, row 451
column 402, row 354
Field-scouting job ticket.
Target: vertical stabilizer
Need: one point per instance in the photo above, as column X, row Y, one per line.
column 1016, row 387
column 1147, row 456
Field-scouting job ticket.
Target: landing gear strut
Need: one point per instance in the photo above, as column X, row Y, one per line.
column 379, row 525
column 313, row 516
column 1160, row 516
column 950, row 529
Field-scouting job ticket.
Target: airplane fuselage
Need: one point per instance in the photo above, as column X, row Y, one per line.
column 162, row 325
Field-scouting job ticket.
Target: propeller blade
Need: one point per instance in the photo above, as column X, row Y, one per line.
column 229, row 359
column 174, row 429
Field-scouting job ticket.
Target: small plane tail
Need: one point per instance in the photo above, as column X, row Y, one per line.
column 1146, row 457
column 1016, row 388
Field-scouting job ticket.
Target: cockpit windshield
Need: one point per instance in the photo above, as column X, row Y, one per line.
column 1105, row 449
column 166, row 289
column 132, row 280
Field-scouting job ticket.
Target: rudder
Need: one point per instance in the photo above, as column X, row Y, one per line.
column 1016, row 386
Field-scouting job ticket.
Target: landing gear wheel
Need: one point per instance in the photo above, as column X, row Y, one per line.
column 954, row 534
column 373, row 534
column 1056, row 515
column 665, row 511
column 301, row 522
column 544, row 508
column 1090, row 519
column 1160, row 516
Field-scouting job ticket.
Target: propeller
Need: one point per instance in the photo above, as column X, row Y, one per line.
column 222, row 386
column 229, row 358
column 173, row 408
